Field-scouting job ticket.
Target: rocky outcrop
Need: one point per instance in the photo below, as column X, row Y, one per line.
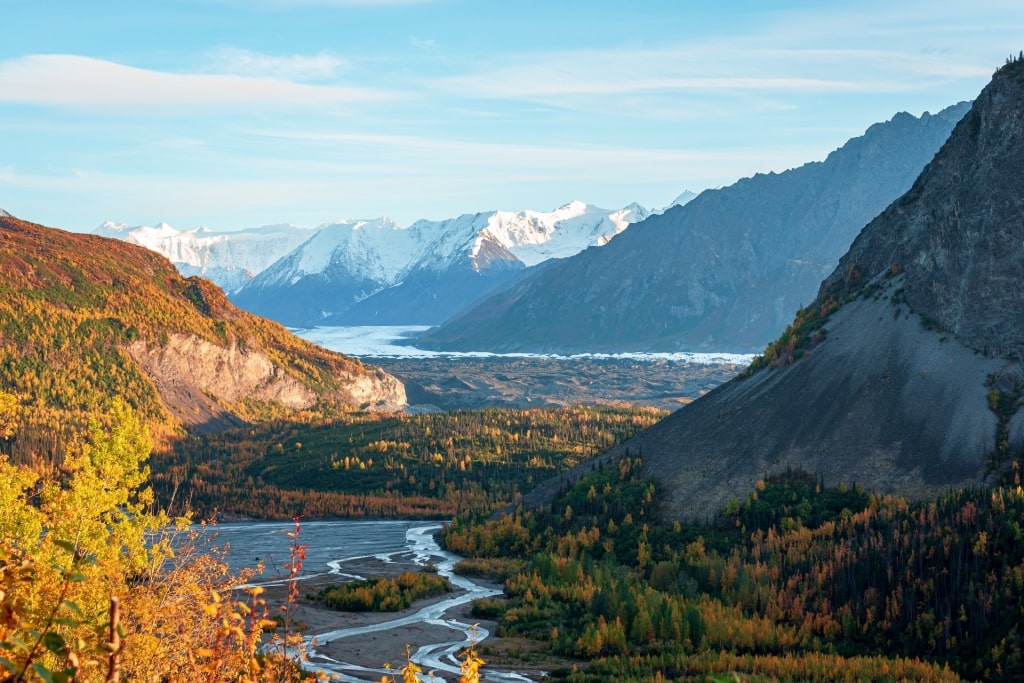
column 958, row 235
column 198, row 381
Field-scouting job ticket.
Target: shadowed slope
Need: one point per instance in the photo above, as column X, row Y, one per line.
column 904, row 374
column 722, row 273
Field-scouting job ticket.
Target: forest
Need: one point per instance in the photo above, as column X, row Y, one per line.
column 796, row 581
column 99, row 583
column 378, row 594
column 431, row 465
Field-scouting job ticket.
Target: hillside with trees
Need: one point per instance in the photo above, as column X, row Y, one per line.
column 798, row 582
column 85, row 318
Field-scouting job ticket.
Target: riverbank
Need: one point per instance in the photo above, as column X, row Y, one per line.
column 368, row 639
column 354, row 647
column 360, row 647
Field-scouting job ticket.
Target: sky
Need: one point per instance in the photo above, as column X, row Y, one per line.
column 235, row 114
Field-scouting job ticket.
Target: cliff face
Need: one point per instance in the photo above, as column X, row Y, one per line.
column 915, row 385
column 190, row 373
column 958, row 234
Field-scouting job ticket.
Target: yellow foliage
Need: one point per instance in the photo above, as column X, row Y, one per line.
column 90, row 589
column 9, row 409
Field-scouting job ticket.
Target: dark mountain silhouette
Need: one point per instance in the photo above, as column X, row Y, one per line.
column 904, row 374
column 722, row 273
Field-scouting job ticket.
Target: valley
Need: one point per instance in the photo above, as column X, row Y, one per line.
column 846, row 505
column 472, row 380
column 450, row 383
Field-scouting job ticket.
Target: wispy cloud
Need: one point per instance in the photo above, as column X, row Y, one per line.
column 521, row 161
column 423, row 43
column 826, row 50
column 558, row 77
column 239, row 62
column 82, row 82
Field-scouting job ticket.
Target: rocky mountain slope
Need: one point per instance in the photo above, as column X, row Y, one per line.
column 724, row 272
column 84, row 318
column 904, row 374
column 373, row 272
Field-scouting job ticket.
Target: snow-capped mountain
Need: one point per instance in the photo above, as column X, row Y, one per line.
column 229, row 259
column 376, row 249
column 535, row 236
column 374, row 272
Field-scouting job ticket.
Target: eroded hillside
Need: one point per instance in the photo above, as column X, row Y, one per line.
column 85, row 318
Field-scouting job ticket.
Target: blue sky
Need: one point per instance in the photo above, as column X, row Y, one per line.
column 240, row 113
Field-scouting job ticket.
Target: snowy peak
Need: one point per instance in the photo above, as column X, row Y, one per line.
column 375, row 272
column 229, row 259
column 4, row 214
column 535, row 236
column 112, row 229
column 376, row 249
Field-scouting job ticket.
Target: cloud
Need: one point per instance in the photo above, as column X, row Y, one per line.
column 423, row 43
column 778, row 54
column 238, row 62
column 83, row 82
column 403, row 155
column 557, row 78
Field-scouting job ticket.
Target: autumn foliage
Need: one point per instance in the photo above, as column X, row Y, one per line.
column 799, row 582
column 433, row 465
column 95, row 585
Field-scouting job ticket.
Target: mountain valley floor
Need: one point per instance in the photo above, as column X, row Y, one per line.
column 450, row 383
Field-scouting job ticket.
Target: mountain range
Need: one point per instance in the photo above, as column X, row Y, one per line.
column 228, row 259
column 724, row 272
column 356, row 272
column 84, row 318
column 904, row 374
column 721, row 271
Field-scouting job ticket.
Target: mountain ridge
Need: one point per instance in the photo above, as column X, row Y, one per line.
column 895, row 377
column 375, row 272
column 721, row 273
column 229, row 259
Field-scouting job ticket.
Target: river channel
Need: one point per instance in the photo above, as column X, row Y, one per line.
column 339, row 549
